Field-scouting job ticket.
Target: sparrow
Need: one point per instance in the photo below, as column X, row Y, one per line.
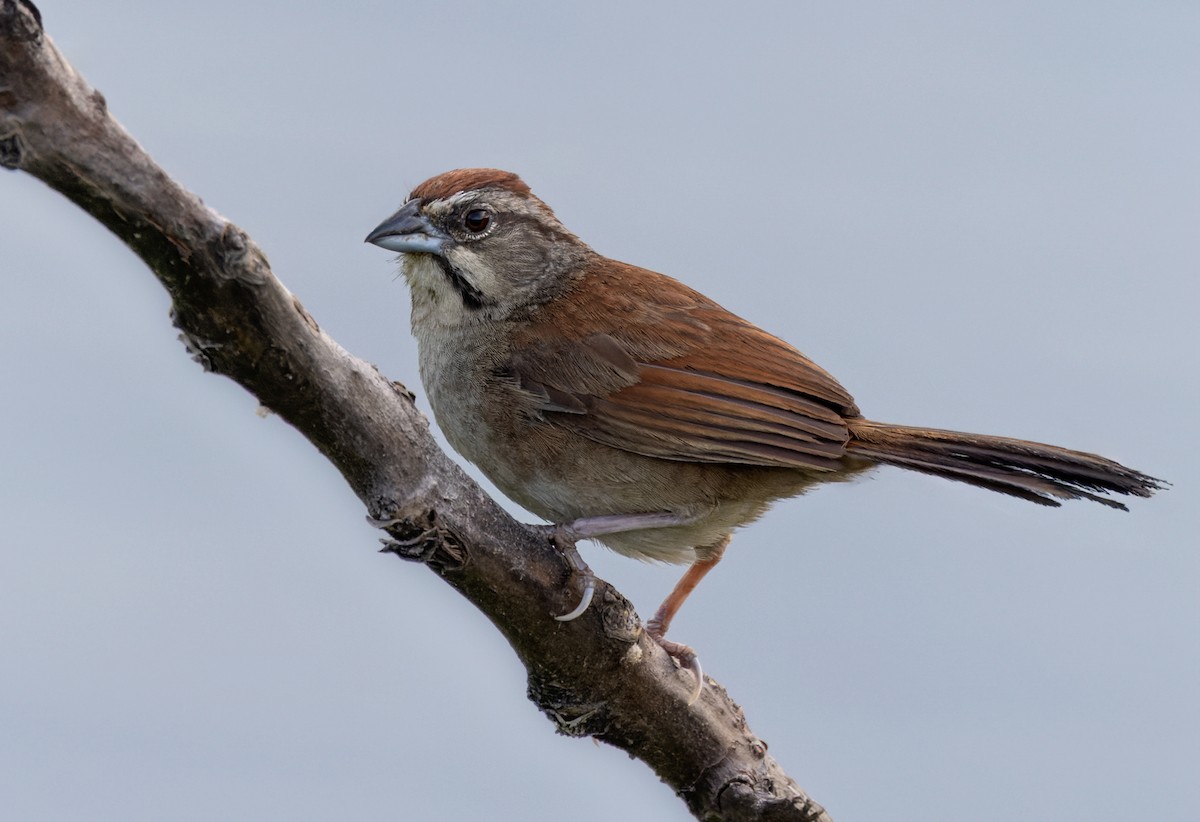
column 623, row 406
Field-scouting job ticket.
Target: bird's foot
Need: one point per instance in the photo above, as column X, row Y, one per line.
column 566, row 535
column 587, row 579
column 564, row 538
column 685, row 655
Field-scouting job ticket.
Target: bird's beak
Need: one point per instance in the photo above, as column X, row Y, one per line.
column 409, row 231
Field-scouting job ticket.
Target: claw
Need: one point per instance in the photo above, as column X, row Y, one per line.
column 697, row 672
column 589, row 590
column 684, row 655
column 580, row 569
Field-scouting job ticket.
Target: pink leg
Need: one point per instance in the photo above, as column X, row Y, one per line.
column 658, row 625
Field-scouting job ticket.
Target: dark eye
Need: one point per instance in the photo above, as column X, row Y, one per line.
column 477, row 220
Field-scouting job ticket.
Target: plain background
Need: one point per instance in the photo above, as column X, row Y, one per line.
column 976, row 215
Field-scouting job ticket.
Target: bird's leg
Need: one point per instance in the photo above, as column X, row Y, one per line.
column 592, row 527
column 661, row 621
column 566, row 535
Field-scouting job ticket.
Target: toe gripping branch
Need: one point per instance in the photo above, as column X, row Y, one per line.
column 685, row 655
column 564, row 538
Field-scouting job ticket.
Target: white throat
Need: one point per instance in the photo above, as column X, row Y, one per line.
column 435, row 301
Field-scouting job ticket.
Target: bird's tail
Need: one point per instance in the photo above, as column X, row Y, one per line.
column 1040, row 473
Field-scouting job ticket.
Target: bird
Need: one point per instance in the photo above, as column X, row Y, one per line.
column 621, row 405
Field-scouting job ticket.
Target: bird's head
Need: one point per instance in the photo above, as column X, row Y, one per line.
column 477, row 240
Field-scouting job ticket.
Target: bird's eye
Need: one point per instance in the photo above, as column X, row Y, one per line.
column 477, row 220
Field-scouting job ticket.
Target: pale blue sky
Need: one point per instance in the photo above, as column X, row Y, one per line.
column 978, row 216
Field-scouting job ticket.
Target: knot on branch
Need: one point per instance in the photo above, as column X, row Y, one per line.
column 423, row 539
column 198, row 349
column 765, row 795
column 21, row 21
column 237, row 257
column 620, row 622
column 571, row 715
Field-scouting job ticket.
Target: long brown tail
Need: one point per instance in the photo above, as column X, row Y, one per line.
column 1040, row 473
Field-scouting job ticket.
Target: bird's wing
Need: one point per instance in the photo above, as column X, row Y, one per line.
column 677, row 376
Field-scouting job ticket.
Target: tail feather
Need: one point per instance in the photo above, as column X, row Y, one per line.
column 1041, row 473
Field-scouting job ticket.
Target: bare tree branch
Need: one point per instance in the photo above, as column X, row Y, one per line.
column 598, row 676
